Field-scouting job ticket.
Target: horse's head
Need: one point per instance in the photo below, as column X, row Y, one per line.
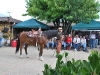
column 40, row 32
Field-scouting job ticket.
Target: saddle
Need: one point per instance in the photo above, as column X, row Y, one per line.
column 35, row 33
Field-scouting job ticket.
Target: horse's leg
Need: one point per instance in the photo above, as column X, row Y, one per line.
column 38, row 47
column 26, row 45
column 21, row 46
column 41, row 52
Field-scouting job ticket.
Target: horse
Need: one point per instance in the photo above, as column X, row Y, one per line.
column 40, row 40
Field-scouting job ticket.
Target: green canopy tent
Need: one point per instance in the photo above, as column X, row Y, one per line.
column 83, row 26
column 80, row 26
column 31, row 23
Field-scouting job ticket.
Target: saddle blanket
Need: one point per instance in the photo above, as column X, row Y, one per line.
column 30, row 34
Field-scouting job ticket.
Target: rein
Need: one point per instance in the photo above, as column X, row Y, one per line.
column 53, row 53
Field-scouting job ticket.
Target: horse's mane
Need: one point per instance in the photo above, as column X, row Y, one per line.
column 50, row 33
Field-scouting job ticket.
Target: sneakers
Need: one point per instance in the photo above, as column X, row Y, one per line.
column 85, row 50
column 75, row 49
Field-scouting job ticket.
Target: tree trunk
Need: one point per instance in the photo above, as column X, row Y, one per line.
column 67, row 27
column 56, row 23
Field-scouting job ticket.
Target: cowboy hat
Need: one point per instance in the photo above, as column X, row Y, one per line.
column 60, row 28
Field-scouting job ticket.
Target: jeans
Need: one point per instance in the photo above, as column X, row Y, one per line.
column 48, row 44
column 0, row 41
column 96, row 42
column 88, row 43
column 64, row 43
column 92, row 43
column 69, row 44
column 76, row 46
column 84, row 46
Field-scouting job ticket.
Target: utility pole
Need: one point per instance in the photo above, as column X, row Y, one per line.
column 11, row 29
column 9, row 13
column 9, row 17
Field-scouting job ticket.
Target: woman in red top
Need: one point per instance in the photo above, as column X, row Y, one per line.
column 69, row 42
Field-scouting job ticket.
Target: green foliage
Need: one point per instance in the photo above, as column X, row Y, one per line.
column 68, row 11
column 79, row 67
column 75, row 10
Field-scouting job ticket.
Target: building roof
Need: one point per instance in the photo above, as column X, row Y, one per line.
column 9, row 19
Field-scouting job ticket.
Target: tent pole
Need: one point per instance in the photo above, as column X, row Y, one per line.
column 71, row 32
column 12, row 33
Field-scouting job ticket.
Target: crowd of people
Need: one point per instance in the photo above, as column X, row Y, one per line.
column 76, row 42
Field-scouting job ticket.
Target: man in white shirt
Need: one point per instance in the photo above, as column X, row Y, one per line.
column 76, row 42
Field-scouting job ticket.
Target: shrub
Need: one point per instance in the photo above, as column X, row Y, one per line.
column 79, row 67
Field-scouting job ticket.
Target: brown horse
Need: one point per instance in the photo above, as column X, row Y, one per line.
column 40, row 40
column 23, row 39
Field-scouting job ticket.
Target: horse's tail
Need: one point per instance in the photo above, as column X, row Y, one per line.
column 18, row 45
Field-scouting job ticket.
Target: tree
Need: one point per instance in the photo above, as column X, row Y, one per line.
column 67, row 11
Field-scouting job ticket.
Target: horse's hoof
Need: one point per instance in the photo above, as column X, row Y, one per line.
column 21, row 56
column 27, row 56
column 16, row 52
column 41, row 58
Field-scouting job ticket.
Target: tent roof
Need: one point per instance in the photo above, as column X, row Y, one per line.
column 31, row 23
column 92, row 25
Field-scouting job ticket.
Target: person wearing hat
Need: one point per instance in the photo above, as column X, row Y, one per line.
column 60, row 33
column 59, row 43
column 60, row 29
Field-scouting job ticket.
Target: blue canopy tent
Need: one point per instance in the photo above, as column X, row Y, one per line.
column 83, row 26
column 31, row 23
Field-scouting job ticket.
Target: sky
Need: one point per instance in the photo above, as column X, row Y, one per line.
column 15, row 7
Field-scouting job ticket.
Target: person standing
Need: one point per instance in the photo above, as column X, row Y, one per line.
column 59, row 43
column 92, row 40
column 87, row 40
column 96, row 39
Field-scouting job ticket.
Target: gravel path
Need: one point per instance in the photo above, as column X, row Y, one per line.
column 11, row 64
